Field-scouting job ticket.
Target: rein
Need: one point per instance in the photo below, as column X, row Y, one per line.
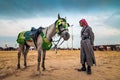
column 56, row 45
column 58, row 31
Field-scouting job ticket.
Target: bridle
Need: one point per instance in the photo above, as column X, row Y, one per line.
column 60, row 23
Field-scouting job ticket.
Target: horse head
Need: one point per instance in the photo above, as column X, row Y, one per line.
column 62, row 28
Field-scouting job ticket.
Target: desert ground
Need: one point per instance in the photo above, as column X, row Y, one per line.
column 60, row 66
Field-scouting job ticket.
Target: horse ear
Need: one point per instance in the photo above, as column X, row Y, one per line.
column 58, row 16
column 68, row 24
column 65, row 18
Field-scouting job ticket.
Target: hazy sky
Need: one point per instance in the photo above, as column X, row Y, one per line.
column 19, row 15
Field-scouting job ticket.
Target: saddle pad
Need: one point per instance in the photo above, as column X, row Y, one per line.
column 32, row 35
column 28, row 35
column 25, row 35
column 21, row 37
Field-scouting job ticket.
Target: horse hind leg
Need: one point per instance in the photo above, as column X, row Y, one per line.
column 18, row 65
column 26, row 50
column 19, row 55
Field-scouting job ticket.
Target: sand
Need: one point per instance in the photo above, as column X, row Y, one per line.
column 60, row 66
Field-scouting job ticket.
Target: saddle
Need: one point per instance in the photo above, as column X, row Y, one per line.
column 31, row 35
column 34, row 34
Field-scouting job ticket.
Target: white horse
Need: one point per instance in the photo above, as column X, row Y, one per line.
column 60, row 26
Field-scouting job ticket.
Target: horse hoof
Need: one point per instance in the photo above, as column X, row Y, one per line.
column 18, row 66
column 38, row 69
column 25, row 67
column 43, row 69
column 38, row 73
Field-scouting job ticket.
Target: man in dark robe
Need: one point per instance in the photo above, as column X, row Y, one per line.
column 87, row 42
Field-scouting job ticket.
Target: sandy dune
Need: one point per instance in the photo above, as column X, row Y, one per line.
column 60, row 66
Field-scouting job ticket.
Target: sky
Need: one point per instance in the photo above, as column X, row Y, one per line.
column 20, row 15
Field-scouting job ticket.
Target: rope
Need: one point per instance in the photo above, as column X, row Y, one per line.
column 55, row 47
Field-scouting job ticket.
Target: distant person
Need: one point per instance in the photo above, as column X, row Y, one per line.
column 87, row 42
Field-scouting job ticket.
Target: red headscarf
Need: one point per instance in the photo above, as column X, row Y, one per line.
column 83, row 21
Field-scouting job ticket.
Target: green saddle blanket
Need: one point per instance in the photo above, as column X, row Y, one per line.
column 25, row 35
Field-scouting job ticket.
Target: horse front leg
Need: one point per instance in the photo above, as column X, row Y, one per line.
column 39, row 59
column 43, row 59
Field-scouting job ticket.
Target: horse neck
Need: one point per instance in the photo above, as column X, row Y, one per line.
column 50, row 31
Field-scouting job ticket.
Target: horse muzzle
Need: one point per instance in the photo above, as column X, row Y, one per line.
column 65, row 35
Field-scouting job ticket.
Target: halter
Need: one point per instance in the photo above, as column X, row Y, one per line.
column 61, row 23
